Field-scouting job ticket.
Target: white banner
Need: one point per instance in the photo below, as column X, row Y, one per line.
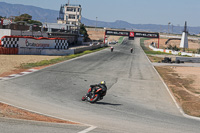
column 32, row 43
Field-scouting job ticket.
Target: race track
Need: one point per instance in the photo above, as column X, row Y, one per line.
column 136, row 102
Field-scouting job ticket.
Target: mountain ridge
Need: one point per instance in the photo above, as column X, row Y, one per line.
column 48, row 15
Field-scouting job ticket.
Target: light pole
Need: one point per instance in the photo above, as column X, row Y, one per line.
column 172, row 28
column 96, row 22
column 168, row 26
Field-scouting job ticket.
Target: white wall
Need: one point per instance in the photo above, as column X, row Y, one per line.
column 34, row 51
column 5, row 32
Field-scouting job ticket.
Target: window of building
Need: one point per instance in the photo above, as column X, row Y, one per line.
column 71, row 16
column 70, row 9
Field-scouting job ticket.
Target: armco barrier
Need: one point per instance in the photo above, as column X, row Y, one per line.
column 189, row 59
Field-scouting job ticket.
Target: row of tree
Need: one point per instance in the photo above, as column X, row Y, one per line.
column 26, row 18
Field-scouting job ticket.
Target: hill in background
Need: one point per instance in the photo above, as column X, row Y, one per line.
column 47, row 15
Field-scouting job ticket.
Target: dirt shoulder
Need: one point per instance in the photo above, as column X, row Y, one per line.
column 184, row 84
column 183, row 80
column 10, row 64
column 8, row 111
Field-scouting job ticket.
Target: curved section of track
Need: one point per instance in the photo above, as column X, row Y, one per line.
column 136, row 101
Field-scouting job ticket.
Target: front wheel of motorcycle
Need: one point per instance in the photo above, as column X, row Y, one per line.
column 93, row 98
column 83, row 98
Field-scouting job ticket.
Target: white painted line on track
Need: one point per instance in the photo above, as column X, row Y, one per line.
column 88, row 129
column 174, row 100
column 18, row 74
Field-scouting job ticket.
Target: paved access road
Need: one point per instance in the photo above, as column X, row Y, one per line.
column 137, row 101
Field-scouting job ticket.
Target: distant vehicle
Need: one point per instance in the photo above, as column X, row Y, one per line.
column 113, row 42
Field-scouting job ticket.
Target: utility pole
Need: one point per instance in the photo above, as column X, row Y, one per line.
column 68, row 2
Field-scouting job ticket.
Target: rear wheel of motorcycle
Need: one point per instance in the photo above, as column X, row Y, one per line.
column 94, row 98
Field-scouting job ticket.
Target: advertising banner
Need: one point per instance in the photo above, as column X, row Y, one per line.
column 146, row 34
column 117, row 33
column 132, row 34
column 32, row 43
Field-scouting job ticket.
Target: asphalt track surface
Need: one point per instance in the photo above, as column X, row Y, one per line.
column 137, row 101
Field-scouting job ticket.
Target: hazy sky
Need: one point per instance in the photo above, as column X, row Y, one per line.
column 132, row 11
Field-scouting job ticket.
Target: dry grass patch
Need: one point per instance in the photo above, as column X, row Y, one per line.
column 155, row 58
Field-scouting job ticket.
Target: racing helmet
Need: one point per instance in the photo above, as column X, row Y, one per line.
column 103, row 83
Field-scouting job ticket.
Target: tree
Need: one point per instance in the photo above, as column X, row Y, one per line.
column 23, row 17
column 27, row 18
column 198, row 51
column 83, row 31
column 1, row 17
column 34, row 22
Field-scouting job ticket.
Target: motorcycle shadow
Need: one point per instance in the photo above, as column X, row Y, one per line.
column 104, row 103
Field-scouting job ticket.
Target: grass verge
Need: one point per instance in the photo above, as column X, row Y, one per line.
column 147, row 50
column 155, row 58
column 57, row 60
column 120, row 39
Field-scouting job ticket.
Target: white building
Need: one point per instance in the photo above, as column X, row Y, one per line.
column 70, row 14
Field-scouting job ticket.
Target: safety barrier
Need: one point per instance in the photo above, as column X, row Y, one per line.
column 9, row 46
column 61, row 44
column 31, row 45
column 174, row 52
column 4, row 50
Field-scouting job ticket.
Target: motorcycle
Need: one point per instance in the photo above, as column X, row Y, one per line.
column 94, row 94
column 131, row 50
column 111, row 49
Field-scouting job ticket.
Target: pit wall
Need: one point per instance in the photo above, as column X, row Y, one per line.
column 174, row 52
column 39, row 46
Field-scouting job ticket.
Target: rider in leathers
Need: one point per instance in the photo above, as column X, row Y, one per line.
column 100, row 85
